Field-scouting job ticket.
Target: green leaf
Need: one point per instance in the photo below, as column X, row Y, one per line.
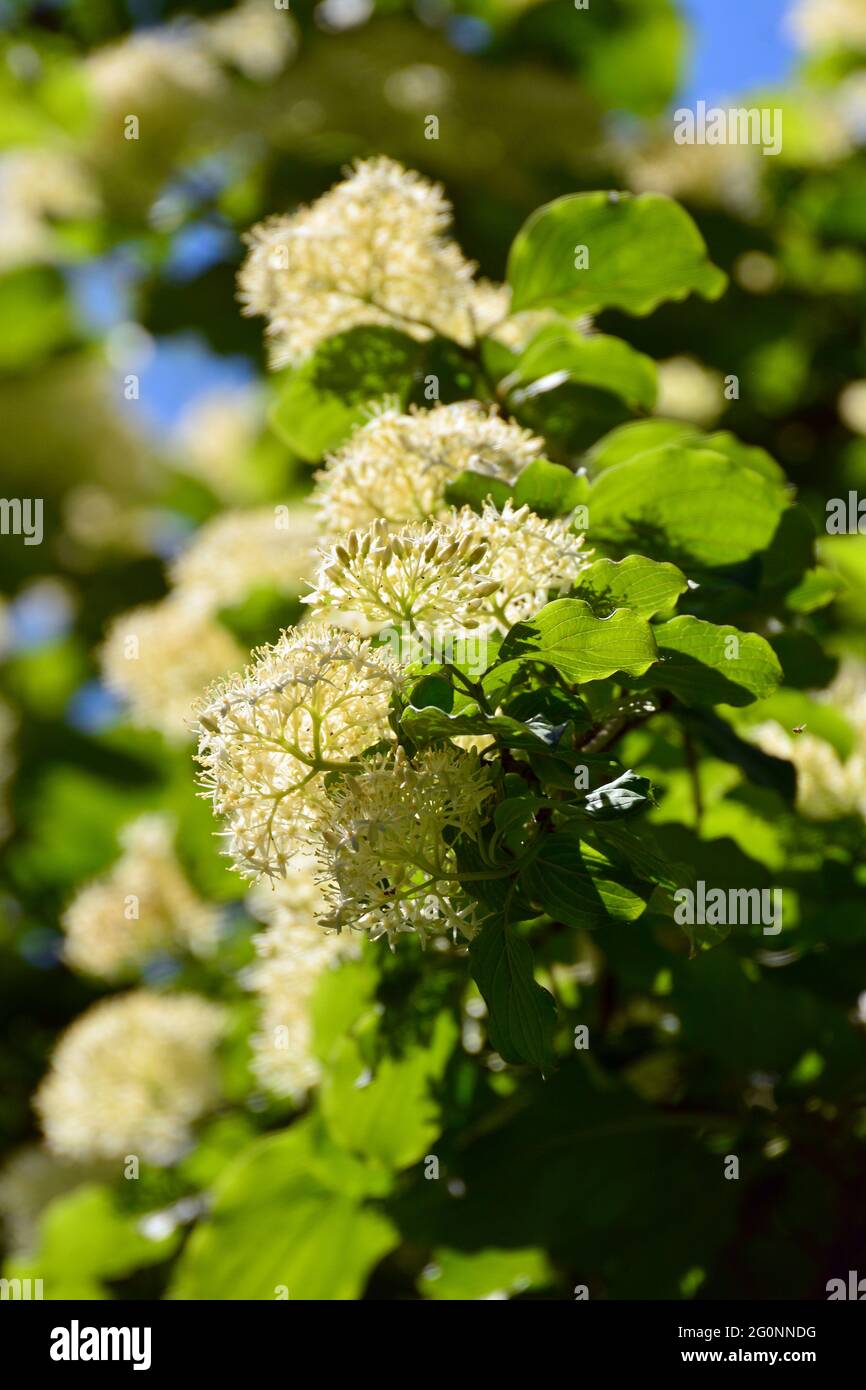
column 560, row 352
column 646, row 586
column 549, row 488
column 85, row 1238
column 522, row 1014
column 286, row 1215
column 431, row 724
column 817, row 588
column 433, row 689
column 389, row 1117
column 341, row 998
column 576, row 884
column 567, row 635
column 636, row 854
column 471, row 489
column 747, row 455
column 636, row 440
column 328, row 395
column 694, row 505
column 457, row 1275
column 36, row 316
column 703, row 663
column 805, row 663
column 641, row 250
column 622, row 797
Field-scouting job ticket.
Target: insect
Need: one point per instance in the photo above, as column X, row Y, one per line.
column 798, row 729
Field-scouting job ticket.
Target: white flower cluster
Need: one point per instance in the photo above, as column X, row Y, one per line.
column 388, row 862
column 309, row 704
column 828, row 786
column 397, row 466
column 131, row 1076
column 215, row 436
column 142, row 908
column 293, row 953
column 38, row 189
column 818, row 25
column 160, row 656
column 467, row 570
column 371, row 251
column 238, row 552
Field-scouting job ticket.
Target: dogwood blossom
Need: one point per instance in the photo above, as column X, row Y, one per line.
column 143, row 906
column 467, row 570
column 397, row 466
column 131, row 1075
column 370, row 251
column 386, row 851
column 310, row 703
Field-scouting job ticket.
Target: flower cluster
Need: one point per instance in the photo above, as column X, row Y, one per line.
column 397, row 466
column 40, row 188
column 466, row 570
column 386, row 849
column 131, row 1076
column 819, row 25
column 241, row 551
column 160, row 656
column 310, row 703
column 293, row 953
column 828, row 785
column 166, row 66
column 143, row 907
column 371, row 251
column 256, row 37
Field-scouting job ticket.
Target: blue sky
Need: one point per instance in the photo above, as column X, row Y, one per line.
column 736, row 45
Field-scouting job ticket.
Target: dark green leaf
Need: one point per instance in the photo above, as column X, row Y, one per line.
column 321, row 401
column 703, row 663
column 576, row 884
column 522, row 1014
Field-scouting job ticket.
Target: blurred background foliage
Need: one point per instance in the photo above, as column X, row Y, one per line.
column 134, row 399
